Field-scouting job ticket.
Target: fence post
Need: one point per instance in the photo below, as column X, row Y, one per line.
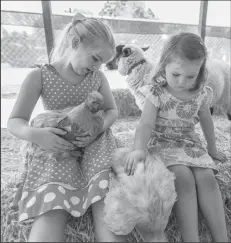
column 202, row 18
column 46, row 7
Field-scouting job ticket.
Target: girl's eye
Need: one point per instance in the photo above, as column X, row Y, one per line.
column 190, row 77
column 94, row 58
column 175, row 74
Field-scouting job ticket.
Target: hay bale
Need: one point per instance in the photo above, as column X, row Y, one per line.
column 125, row 103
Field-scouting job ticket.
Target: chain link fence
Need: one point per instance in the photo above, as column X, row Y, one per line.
column 23, row 46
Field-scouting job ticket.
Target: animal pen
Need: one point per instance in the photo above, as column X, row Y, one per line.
column 20, row 49
column 27, row 39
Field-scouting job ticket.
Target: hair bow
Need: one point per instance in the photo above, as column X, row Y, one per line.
column 78, row 18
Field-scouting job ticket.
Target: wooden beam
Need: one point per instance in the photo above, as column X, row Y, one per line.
column 131, row 26
column 203, row 18
column 47, row 21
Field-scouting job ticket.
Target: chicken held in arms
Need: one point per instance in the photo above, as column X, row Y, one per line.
column 74, row 120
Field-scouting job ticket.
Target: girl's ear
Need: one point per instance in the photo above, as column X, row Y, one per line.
column 75, row 42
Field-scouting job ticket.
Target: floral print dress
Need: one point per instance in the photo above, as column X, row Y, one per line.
column 68, row 184
column 174, row 137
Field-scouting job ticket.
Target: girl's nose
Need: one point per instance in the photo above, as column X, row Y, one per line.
column 181, row 80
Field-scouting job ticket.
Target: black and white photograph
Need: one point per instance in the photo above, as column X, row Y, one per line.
column 115, row 121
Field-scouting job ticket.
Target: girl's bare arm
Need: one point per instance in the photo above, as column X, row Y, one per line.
column 111, row 112
column 27, row 98
column 207, row 126
column 18, row 123
column 145, row 125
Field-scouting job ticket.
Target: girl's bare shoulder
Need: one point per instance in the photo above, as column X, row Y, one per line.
column 33, row 79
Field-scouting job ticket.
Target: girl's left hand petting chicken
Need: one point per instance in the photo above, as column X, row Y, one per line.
column 132, row 159
column 217, row 155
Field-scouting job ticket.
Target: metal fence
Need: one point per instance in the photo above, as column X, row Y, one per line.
column 23, row 38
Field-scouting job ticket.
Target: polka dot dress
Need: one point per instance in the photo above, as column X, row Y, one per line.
column 65, row 183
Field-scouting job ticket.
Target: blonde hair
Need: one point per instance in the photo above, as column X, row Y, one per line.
column 90, row 29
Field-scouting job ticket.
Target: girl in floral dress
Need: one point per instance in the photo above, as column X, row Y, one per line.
column 175, row 102
column 53, row 191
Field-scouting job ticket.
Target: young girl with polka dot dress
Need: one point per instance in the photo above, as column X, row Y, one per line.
column 175, row 102
column 53, row 191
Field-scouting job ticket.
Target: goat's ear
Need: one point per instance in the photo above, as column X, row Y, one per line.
column 119, row 48
column 145, row 48
column 126, row 52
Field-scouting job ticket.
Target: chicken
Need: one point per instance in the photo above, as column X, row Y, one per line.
column 144, row 200
column 75, row 120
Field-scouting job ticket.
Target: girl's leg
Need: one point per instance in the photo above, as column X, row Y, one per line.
column 101, row 230
column 49, row 227
column 210, row 202
column 185, row 208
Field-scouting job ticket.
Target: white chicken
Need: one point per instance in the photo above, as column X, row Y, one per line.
column 144, row 200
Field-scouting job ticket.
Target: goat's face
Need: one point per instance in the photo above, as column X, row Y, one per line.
column 113, row 64
column 126, row 56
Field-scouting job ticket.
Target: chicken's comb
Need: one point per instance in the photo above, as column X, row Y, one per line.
column 78, row 18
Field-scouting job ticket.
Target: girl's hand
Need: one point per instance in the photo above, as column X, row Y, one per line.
column 217, row 155
column 84, row 139
column 47, row 139
column 132, row 159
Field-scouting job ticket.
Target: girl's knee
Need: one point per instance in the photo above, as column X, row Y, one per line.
column 49, row 227
column 205, row 178
column 102, row 233
column 98, row 211
column 58, row 215
column 184, row 182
